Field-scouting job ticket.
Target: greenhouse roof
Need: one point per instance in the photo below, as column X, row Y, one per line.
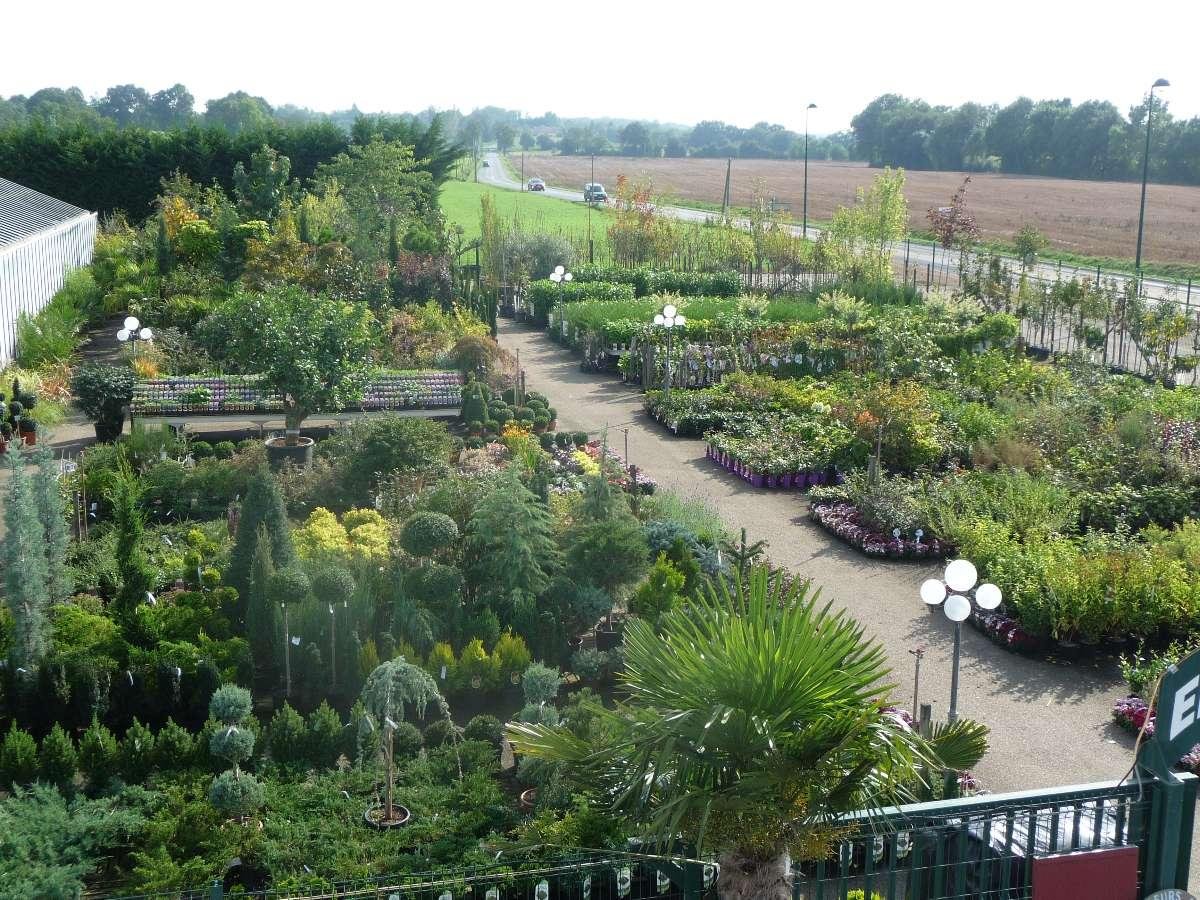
column 25, row 212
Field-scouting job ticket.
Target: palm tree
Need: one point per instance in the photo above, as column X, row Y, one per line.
column 753, row 719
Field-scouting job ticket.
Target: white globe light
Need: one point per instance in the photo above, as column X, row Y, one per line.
column 555, row 277
column 961, row 575
column 957, row 607
column 145, row 334
column 988, row 596
column 669, row 310
column 680, row 321
column 558, row 270
column 131, row 323
column 123, row 335
column 933, row 591
column 658, row 319
column 568, row 277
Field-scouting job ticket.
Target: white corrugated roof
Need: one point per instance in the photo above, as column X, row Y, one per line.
column 25, row 212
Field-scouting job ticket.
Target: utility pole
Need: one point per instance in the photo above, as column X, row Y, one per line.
column 725, row 196
column 804, row 227
column 1137, row 264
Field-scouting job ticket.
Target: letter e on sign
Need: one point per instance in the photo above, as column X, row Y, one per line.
column 1183, row 712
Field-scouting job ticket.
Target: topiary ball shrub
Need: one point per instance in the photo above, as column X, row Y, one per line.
column 236, row 794
column 563, row 439
column 541, row 421
column 201, row 449
column 546, row 439
column 224, row 449
column 438, row 732
column 541, row 683
column 580, row 438
column 484, row 728
column 475, row 443
column 407, row 740
column 427, row 533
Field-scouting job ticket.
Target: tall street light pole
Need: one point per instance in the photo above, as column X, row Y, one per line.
column 804, row 229
column 669, row 319
column 955, row 593
column 1137, row 264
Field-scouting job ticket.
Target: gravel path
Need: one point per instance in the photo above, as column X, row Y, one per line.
column 1050, row 721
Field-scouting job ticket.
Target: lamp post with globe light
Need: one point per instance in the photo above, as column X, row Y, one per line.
column 669, row 319
column 955, row 592
column 132, row 330
column 560, row 276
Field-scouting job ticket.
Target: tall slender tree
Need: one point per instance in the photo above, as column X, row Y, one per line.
column 52, row 513
column 137, row 577
column 263, row 506
column 25, row 574
column 262, row 615
column 510, row 542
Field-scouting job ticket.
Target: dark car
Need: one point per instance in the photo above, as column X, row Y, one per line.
column 536, row 184
column 594, row 193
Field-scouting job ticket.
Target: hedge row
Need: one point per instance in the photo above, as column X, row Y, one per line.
column 646, row 282
column 545, row 295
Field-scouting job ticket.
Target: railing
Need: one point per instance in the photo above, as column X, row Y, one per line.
column 984, row 847
column 976, row 847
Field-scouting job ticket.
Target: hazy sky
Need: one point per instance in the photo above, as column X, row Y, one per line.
column 681, row 62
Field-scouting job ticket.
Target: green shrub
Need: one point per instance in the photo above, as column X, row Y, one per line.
column 546, row 439
column 540, row 683
column 224, row 449
column 322, row 742
column 484, row 728
column 98, row 755
column 589, row 663
column 201, row 449
column 174, row 747
column 407, row 740
column 51, row 336
column 428, row 533
column 135, row 758
column 57, row 759
column 439, row 732
column 103, row 391
column 236, row 794
column 18, row 757
column 286, row 737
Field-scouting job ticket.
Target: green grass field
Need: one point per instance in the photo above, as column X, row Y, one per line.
column 535, row 212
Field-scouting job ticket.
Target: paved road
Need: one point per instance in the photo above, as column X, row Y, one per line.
column 915, row 255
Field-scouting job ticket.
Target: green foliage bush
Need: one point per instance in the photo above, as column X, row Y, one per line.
column 18, row 757
column 439, row 731
column 98, row 755
column 427, row 533
column 57, row 759
column 286, row 737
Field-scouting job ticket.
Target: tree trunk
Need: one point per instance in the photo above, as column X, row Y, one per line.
column 750, row 878
column 391, row 777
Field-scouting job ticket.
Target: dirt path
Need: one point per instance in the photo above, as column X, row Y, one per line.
column 1050, row 722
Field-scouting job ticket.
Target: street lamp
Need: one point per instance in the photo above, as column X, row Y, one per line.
column 1137, row 263
column 954, row 592
column 669, row 319
column 132, row 331
column 804, row 228
column 561, row 276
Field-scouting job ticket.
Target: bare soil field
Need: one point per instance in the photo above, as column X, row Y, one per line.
column 1091, row 218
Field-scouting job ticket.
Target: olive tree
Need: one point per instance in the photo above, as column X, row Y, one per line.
column 314, row 351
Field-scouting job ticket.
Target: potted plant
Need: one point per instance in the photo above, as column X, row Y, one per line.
column 391, row 689
column 28, row 429
column 314, row 351
column 103, row 392
column 6, row 433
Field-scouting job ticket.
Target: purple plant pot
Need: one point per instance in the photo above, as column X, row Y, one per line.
column 756, row 480
column 818, row 478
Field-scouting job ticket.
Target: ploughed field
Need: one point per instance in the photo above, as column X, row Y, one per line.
column 1091, row 218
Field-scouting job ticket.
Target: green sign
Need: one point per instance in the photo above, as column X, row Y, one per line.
column 1177, row 714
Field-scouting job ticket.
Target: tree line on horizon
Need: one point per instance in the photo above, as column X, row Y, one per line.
column 1089, row 140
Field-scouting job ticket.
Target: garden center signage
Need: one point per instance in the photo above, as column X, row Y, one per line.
column 1177, row 718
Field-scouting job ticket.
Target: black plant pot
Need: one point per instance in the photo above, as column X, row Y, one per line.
column 279, row 451
column 607, row 640
column 371, row 817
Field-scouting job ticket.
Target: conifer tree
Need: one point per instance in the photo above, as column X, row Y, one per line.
column 25, row 573
column 510, row 541
column 262, row 616
column 137, row 577
column 53, row 517
column 263, row 506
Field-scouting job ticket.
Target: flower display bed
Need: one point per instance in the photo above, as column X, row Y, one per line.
column 1132, row 712
column 243, row 394
column 845, row 522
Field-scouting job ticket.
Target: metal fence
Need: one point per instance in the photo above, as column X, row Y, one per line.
column 32, row 271
column 976, row 847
